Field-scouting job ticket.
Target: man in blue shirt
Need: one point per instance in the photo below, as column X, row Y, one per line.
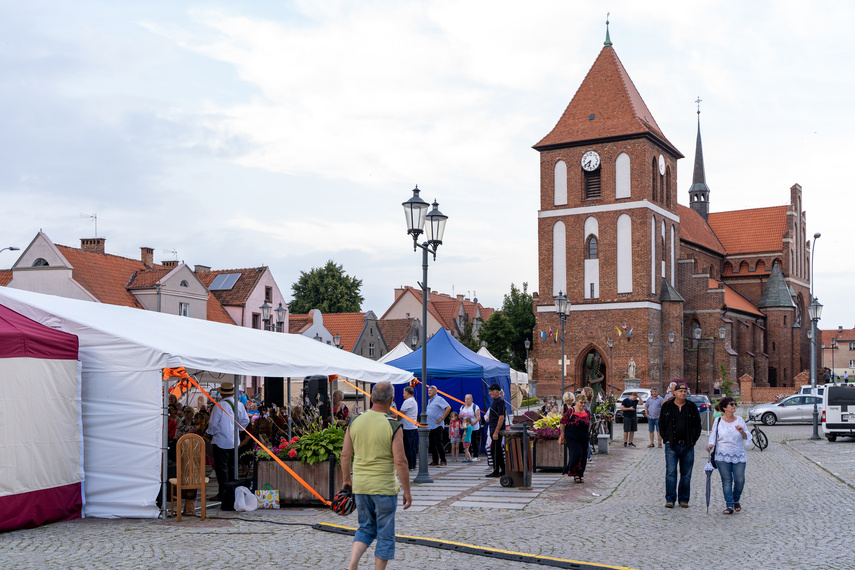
column 437, row 410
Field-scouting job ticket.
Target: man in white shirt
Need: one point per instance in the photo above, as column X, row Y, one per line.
column 222, row 429
column 410, row 408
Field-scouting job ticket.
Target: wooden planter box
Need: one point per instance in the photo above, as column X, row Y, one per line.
column 293, row 493
column 548, row 454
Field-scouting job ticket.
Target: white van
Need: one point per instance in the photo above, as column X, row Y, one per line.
column 838, row 412
column 806, row 390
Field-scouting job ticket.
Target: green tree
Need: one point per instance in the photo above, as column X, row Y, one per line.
column 513, row 325
column 328, row 289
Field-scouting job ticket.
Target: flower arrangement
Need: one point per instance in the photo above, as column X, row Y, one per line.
column 547, row 428
column 311, row 448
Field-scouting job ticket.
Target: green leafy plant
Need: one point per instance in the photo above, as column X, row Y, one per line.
column 550, row 421
column 726, row 385
column 317, row 446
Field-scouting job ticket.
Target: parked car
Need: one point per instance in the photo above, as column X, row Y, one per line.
column 702, row 402
column 643, row 394
column 838, row 412
column 795, row 409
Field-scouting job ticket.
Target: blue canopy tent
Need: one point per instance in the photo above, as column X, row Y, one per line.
column 455, row 370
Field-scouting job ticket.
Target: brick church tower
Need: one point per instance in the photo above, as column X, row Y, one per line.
column 608, row 238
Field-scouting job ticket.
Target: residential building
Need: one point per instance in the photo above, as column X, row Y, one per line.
column 837, row 351
column 455, row 314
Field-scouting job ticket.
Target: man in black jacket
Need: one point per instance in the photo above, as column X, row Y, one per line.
column 680, row 426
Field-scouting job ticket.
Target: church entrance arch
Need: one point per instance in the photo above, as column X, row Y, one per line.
column 591, row 367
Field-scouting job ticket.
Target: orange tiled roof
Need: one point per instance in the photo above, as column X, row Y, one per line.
column 735, row 301
column 417, row 293
column 846, row 335
column 750, row 231
column 147, row 278
column 242, row 289
column 217, row 313
column 395, row 331
column 5, row 277
column 347, row 325
column 104, row 275
column 296, row 323
column 695, row 230
column 447, row 307
column 609, row 95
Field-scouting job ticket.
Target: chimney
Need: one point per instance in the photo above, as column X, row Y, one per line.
column 94, row 245
column 199, row 268
column 399, row 292
column 147, row 256
column 171, row 263
column 460, row 297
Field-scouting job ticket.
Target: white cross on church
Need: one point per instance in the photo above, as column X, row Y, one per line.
column 566, row 363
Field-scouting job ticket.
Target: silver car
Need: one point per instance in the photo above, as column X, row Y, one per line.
column 795, row 409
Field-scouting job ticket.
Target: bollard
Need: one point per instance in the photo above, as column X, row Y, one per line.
column 603, row 443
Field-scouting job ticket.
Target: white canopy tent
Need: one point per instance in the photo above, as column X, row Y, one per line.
column 123, row 352
column 517, row 377
column 397, row 352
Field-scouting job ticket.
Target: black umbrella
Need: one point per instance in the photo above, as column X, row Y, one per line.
column 708, row 469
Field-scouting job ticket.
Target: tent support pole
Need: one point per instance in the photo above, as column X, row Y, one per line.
column 165, row 444
column 289, row 409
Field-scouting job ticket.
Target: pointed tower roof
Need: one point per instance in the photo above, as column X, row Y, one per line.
column 776, row 293
column 607, row 105
column 669, row 293
column 699, row 177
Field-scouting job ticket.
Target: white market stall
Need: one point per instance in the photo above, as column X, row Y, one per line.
column 123, row 352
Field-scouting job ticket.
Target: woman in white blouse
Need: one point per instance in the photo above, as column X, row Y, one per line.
column 471, row 410
column 729, row 436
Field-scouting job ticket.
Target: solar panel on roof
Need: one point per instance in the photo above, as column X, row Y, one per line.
column 224, row 282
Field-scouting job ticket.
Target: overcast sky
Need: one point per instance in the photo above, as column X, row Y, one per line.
column 246, row 133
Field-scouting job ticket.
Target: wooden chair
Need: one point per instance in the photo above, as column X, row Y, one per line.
column 190, row 470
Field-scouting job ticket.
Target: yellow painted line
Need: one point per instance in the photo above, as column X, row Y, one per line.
column 492, row 549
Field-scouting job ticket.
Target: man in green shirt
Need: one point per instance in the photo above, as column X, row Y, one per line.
column 374, row 446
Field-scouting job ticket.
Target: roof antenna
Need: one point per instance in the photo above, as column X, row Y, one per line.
column 172, row 252
column 608, row 41
column 93, row 217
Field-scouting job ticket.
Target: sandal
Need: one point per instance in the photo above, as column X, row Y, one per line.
column 727, row 511
column 651, row 445
column 577, row 479
column 737, row 507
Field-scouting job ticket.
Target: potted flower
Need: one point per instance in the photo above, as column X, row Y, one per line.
column 548, row 453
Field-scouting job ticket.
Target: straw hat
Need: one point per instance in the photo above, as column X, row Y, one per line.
column 227, row 389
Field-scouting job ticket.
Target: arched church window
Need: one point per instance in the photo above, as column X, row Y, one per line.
column 592, row 247
column 760, row 267
column 622, row 176
column 559, row 258
column 743, row 267
column 624, row 254
column 654, row 171
column 560, row 185
column 728, row 268
column 668, row 187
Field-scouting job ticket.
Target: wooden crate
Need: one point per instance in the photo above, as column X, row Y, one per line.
column 548, row 454
column 291, row 492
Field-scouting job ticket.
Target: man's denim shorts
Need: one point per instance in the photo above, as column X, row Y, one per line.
column 653, row 424
column 377, row 520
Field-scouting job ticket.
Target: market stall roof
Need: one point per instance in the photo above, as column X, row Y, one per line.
column 447, row 357
column 112, row 335
column 397, row 352
column 517, row 377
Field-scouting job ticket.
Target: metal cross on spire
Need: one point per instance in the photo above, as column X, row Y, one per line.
column 608, row 41
column 698, row 101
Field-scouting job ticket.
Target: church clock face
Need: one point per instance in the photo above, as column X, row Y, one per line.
column 590, row 161
column 661, row 165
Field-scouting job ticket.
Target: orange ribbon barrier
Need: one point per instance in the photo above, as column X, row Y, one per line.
column 181, row 373
column 438, row 391
column 393, row 410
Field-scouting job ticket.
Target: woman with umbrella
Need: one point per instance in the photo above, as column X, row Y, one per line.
column 728, row 437
column 576, row 422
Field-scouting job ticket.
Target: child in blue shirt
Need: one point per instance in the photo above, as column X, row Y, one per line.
column 467, row 439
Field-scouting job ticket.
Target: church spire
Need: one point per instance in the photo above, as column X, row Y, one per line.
column 699, row 193
column 608, row 41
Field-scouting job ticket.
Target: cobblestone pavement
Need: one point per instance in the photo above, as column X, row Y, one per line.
column 617, row 517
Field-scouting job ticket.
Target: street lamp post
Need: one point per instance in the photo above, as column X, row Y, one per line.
column 10, row 248
column 432, row 224
column 815, row 311
column 337, row 340
column 833, row 347
column 611, row 344
column 265, row 315
column 562, row 305
column 532, row 385
column 281, row 313
column 661, row 345
column 711, row 342
column 696, row 334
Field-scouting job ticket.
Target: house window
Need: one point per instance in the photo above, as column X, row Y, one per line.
column 370, row 350
column 852, row 346
column 268, row 294
column 40, row 262
column 592, row 184
column 852, row 364
column 184, row 309
column 184, row 283
column 256, row 321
